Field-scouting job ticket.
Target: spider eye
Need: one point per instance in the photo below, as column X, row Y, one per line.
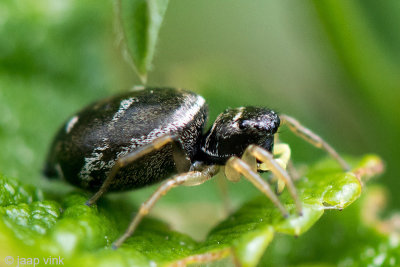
column 242, row 124
column 250, row 126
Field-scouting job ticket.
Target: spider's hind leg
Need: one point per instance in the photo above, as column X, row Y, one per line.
column 181, row 160
column 192, row 178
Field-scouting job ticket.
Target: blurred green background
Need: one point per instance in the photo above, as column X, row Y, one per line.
column 334, row 65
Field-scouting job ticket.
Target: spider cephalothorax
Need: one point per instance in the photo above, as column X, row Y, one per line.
column 235, row 129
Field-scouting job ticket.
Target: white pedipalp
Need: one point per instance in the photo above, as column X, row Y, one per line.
column 281, row 154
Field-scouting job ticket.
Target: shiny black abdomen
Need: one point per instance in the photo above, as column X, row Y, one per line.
column 89, row 143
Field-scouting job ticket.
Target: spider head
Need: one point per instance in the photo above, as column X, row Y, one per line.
column 235, row 129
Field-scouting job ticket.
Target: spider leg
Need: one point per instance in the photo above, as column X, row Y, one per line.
column 224, row 194
column 187, row 179
column 181, row 160
column 285, row 152
column 281, row 154
column 313, row 139
column 276, row 168
column 235, row 167
column 250, row 160
column 293, row 172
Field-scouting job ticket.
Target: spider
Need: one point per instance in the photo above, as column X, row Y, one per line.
column 152, row 135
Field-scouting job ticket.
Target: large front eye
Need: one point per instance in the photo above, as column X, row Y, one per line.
column 242, row 124
column 251, row 126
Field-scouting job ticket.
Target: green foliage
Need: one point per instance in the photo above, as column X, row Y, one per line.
column 346, row 240
column 372, row 64
column 366, row 39
column 14, row 192
column 140, row 22
column 48, row 69
column 84, row 234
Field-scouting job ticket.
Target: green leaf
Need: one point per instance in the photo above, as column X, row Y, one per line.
column 361, row 49
column 249, row 231
column 14, row 192
column 83, row 234
column 140, row 22
column 358, row 237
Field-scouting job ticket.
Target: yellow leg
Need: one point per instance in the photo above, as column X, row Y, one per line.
column 235, row 167
column 281, row 154
column 275, row 167
column 182, row 162
column 187, row 179
column 313, row 139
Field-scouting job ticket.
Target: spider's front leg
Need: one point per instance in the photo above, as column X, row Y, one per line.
column 248, row 167
column 281, row 154
column 297, row 128
column 236, row 167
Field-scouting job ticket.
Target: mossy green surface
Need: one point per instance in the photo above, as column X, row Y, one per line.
column 80, row 234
